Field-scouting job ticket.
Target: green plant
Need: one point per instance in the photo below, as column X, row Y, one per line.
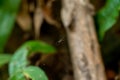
column 18, row 66
column 8, row 12
column 18, row 63
column 107, row 16
column 4, row 58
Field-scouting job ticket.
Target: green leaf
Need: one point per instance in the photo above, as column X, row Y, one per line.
column 18, row 76
column 31, row 72
column 4, row 58
column 19, row 59
column 38, row 46
column 107, row 16
column 8, row 11
column 35, row 73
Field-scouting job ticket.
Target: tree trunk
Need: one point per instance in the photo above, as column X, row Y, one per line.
column 83, row 44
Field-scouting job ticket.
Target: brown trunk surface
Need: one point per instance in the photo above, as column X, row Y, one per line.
column 83, row 44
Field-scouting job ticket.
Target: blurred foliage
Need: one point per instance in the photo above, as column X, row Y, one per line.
column 107, row 16
column 30, row 72
column 8, row 12
column 34, row 73
column 19, row 60
column 18, row 64
column 4, row 58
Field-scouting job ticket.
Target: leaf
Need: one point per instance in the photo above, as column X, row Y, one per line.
column 30, row 72
column 107, row 16
column 35, row 73
column 18, row 76
column 19, row 59
column 4, row 58
column 8, row 11
column 39, row 46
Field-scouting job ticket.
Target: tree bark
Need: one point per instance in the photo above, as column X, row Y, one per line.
column 83, row 44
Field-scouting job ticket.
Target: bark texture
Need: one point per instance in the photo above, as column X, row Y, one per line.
column 83, row 44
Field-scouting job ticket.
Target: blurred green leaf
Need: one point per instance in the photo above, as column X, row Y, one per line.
column 19, row 59
column 4, row 58
column 107, row 16
column 35, row 73
column 38, row 46
column 31, row 72
column 18, row 76
column 8, row 11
